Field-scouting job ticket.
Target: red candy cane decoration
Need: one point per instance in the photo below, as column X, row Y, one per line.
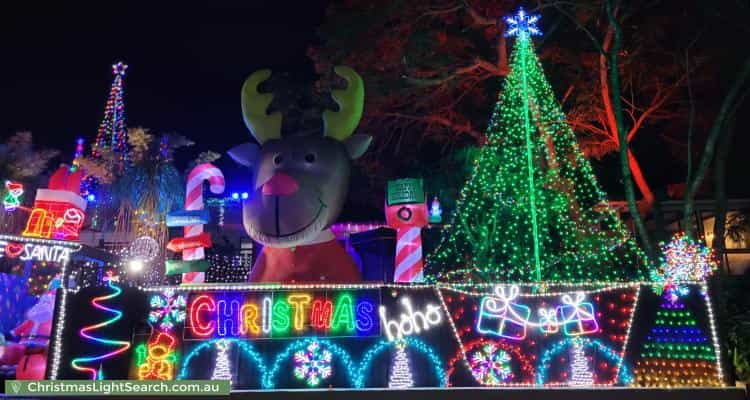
column 408, row 220
column 409, row 267
column 194, row 201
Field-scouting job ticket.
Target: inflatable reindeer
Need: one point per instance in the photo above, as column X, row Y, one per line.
column 300, row 184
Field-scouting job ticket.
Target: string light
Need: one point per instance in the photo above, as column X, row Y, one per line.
column 463, row 308
column 244, row 347
column 479, row 357
column 222, row 367
column 112, row 133
column 677, row 352
column 614, row 306
column 580, row 372
column 532, row 209
column 276, row 314
column 401, row 376
column 326, row 350
column 77, row 155
column 621, row 374
column 684, row 260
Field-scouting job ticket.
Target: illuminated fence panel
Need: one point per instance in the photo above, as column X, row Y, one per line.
column 360, row 336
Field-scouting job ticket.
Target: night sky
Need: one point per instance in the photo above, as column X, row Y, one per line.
column 186, row 66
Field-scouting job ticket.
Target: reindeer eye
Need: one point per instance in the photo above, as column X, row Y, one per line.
column 310, row 158
column 278, row 159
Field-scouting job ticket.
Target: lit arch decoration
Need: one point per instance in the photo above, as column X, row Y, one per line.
column 244, row 346
column 525, row 366
column 338, row 351
column 413, row 344
column 622, row 375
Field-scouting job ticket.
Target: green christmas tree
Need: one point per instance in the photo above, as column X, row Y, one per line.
column 532, row 209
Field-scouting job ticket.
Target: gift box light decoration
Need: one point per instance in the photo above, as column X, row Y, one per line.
column 500, row 316
column 539, row 328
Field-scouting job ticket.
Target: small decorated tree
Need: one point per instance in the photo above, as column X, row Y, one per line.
column 677, row 352
column 580, row 371
column 222, row 370
column 400, row 368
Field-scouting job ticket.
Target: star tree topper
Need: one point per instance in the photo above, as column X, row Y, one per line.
column 522, row 25
column 119, row 68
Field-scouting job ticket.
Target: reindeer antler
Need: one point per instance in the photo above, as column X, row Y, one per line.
column 340, row 125
column 254, row 105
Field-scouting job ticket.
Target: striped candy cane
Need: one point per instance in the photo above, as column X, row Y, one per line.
column 409, row 266
column 194, row 201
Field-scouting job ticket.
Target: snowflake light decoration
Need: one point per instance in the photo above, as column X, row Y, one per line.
column 522, row 25
column 313, row 364
column 490, row 365
column 167, row 309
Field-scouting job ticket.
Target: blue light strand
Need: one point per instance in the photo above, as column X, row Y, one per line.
column 357, row 373
column 414, row 344
column 623, row 376
column 243, row 345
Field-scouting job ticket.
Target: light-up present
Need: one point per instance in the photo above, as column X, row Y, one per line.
column 499, row 316
column 576, row 316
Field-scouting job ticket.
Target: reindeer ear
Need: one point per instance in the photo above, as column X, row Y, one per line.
column 245, row 154
column 356, row 145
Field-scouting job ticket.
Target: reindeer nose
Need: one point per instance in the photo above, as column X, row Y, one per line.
column 280, row 184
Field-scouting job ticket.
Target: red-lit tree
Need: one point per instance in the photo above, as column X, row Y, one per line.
column 432, row 71
column 433, row 68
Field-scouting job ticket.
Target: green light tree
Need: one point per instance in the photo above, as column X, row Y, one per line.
column 532, row 209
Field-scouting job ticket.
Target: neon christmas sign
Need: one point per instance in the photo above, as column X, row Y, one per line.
column 282, row 314
column 53, row 220
column 12, row 199
column 410, row 322
column 36, row 251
